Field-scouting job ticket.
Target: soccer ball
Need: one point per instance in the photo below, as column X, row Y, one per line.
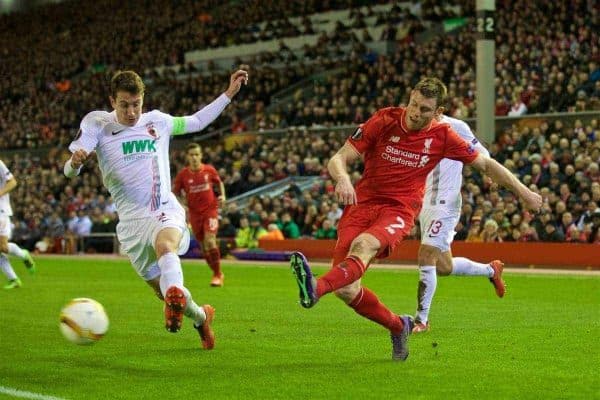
column 83, row 321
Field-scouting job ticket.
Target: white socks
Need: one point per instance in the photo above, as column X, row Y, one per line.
column 464, row 266
column 171, row 275
column 15, row 250
column 7, row 268
column 170, row 272
column 427, row 285
column 193, row 310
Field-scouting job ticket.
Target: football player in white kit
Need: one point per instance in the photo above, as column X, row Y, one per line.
column 440, row 214
column 133, row 154
column 7, row 184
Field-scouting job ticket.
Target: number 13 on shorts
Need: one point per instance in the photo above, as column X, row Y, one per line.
column 435, row 227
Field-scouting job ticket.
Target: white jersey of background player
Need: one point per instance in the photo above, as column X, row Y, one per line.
column 133, row 154
column 7, row 184
column 440, row 214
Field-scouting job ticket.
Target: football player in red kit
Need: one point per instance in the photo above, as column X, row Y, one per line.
column 399, row 147
column 196, row 182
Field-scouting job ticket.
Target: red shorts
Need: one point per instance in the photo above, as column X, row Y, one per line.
column 389, row 224
column 207, row 222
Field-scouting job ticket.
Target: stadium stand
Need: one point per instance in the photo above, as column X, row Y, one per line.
column 298, row 86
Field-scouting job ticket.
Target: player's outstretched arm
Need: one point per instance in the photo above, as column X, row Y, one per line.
column 504, row 177
column 344, row 191
column 74, row 164
column 8, row 187
column 204, row 117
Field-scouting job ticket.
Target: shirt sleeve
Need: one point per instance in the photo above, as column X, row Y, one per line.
column 215, row 178
column 458, row 149
column 87, row 136
column 5, row 172
column 200, row 119
column 364, row 136
column 178, row 184
column 464, row 130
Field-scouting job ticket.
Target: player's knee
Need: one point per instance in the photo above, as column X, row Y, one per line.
column 165, row 246
column 210, row 243
column 428, row 255
column 4, row 248
column 365, row 246
column 348, row 293
column 442, row 268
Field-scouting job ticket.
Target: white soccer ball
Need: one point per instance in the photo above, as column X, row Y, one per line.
column 83, row 321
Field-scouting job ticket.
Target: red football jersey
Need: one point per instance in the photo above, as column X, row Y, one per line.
column 198, row 188
column 397, row 161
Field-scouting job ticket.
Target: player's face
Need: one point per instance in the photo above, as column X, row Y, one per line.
column 194, row 157
column 420, row 111
column 128, row 107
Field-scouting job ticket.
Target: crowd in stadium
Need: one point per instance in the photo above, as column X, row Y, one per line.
column 54, row 83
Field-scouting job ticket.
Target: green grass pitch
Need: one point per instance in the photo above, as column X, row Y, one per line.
column 539, row 342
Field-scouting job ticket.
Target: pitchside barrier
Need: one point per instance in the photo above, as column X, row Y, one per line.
column 561, row 255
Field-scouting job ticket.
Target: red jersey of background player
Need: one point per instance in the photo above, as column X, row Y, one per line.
column 198, row 188
column 397, row 161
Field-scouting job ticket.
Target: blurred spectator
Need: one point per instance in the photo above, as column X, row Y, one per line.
column 490, row 232
column 288, row 227
column 327, row 231
column 273, row 233
column 249, row 233
column 226, row 228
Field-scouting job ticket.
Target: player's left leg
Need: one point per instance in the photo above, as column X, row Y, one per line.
column 493, row 271
column 211, row 250
column 387, row 229
column 205, row 229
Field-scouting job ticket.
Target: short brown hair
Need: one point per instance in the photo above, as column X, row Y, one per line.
column 192, row 146
column 126, row 81
column 433, row 87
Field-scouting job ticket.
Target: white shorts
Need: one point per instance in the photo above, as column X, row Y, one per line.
column 5, row 226
column 137, row 239
column 437, row 227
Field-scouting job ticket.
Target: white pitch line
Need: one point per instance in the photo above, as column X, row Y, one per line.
column 26, row 395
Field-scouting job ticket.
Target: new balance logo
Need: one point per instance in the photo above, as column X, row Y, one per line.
column 395, row 139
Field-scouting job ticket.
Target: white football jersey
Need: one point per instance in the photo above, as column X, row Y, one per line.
column 445, row 180
column 134, row 161
column 5, row 176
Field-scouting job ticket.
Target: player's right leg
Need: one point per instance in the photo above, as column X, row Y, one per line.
column 428, row 257
column 437, row 234
column 13, row 280
column 307, row 283
column 202, row 317
column 7, row 269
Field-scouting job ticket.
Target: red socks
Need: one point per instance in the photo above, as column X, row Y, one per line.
column 343, row 274
column 366, row 302
column 368, row 305
column 213, row 259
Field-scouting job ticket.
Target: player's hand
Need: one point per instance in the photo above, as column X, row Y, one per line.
column 344, row 192
column 236, row 80
column 532, row 200
column 78, row 158
column 222, row 201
